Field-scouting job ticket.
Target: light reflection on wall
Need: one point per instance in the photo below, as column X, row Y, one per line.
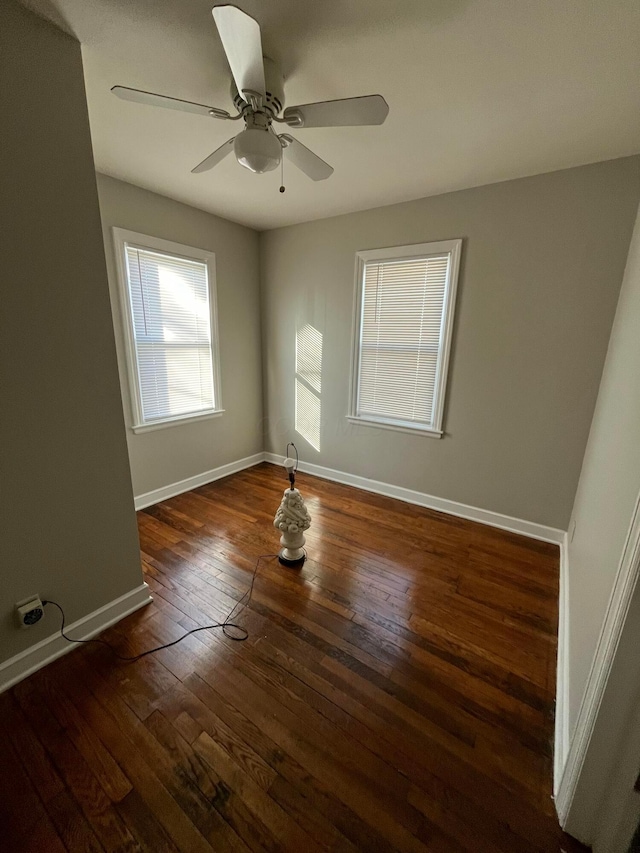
column 308, row 384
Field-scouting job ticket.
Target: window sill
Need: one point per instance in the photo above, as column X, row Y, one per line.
column 397, row 427
column 171, row 422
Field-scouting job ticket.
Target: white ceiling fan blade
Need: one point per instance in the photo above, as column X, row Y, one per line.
column 214, row 158
column 305, row 160
column 240, row 36
column 140, row 97
column 369, row 109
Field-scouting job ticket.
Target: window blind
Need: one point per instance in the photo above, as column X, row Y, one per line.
column 169, row 298
column 403, row 302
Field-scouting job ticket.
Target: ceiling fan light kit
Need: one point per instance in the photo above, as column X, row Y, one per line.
column 257, row 92
column 257, row 149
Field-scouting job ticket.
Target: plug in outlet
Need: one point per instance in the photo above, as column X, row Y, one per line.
column 29, row 611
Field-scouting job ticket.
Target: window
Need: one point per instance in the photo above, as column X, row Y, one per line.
column 403, row 322
column 169, row 313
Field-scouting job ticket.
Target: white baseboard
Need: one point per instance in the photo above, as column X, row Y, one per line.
column 47, row 650
column 173, row 489
column 483, row 516
column 561, row 735
column 472, row 513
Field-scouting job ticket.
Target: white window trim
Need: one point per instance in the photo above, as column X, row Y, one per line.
column 122, row 238
column 417, row 250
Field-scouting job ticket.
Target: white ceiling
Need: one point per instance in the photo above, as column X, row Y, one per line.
column 479, row 91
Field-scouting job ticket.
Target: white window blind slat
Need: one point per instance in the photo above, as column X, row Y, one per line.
column 171, row 324
column 403, row 303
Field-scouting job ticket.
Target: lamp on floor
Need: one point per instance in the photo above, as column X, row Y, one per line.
column 292, row 517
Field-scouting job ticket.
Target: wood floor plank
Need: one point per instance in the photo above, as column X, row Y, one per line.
column 99, row 760
column 144, row 825
column 235, row 825
column 33, row 756
column 81, row 781
column 205, row 700
column 26, row 825
column 81, row 682
column 386, row 699
column 74, row 830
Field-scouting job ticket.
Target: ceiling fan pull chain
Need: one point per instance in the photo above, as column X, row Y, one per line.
column 282, row 174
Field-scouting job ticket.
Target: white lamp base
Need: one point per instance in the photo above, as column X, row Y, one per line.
column 292, row 519
column 292, row 551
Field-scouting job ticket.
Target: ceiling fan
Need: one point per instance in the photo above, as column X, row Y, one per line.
column 258, row 96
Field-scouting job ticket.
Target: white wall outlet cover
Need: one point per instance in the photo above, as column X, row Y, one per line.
column 29, row 611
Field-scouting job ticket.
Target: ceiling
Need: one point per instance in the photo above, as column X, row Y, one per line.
column 479, row 91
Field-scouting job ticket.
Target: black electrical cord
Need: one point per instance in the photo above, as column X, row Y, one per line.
column 226, row 625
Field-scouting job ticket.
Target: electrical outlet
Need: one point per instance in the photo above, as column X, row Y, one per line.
column 29, row 611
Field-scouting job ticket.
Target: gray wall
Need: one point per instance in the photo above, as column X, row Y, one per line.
column 609, row 484
column 68, row 525
column 543, row 258
column 173, row 453
column 607, row 493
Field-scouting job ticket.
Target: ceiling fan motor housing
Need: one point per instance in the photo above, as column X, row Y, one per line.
column 274, row 89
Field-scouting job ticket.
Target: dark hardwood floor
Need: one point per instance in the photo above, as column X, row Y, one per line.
column 396, row 693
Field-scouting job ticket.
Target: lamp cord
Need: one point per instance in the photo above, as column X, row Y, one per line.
column 239, row 637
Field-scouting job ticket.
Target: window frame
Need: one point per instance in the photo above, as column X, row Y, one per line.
column 393, row 253
column 121, row 239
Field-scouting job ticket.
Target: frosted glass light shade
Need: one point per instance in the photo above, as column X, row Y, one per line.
column 257, row 150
